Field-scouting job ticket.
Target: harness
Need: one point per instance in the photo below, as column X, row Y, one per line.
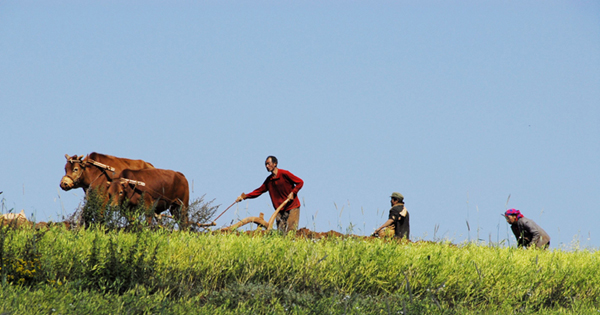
column 140, row 183
column 101, row 166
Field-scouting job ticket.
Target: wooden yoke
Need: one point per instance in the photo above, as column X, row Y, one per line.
column 100, row 165
column 272, row 219
column 131, row 181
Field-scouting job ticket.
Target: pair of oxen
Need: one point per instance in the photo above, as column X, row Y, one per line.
column 138, row 182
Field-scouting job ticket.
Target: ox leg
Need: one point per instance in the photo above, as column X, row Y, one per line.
column 149, row 208
column 179, row 212
column 184, row 216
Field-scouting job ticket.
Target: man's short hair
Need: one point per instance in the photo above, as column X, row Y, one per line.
column 273, row 159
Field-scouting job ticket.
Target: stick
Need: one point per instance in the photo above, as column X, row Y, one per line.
column 224, row 211
column 213, row 223
column 272, row 219
column 206, row 224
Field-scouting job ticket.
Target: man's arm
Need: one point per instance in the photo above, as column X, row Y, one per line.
column 532, row 229
column 255, row 193
column 386, row 224
column 394, row 215
column 522, row 241
column 297, row 181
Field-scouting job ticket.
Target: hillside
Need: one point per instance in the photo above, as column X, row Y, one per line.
column 182, row 272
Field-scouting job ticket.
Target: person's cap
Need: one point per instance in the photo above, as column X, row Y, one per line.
column 397, row 195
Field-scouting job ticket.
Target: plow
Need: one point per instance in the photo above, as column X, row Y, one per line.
column 263, row 226
column 259, row 221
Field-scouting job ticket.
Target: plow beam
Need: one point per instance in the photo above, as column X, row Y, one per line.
column 260, row 221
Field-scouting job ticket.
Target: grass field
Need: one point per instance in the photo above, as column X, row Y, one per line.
column 100, row 271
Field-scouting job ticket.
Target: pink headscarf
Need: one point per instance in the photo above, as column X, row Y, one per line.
column 513, row 212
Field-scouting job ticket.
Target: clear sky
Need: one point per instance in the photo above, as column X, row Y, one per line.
column 457, row 105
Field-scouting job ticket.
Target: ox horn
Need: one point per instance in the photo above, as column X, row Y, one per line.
column 67, row 156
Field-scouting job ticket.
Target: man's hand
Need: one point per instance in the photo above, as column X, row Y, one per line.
column 241, row 197
column 291, row 196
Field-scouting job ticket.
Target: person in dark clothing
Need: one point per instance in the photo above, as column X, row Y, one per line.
column 283, row 186
column 527, row 232
column 398, row 218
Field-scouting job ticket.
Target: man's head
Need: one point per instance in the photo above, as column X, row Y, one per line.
column 512, row 215
column 396, row 198
column 271, row 163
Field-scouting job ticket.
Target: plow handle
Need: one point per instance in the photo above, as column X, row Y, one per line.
column 272, row 219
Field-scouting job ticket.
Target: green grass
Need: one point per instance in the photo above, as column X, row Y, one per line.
column 97, row 271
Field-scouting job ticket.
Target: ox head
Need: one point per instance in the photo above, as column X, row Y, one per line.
column 119, row 190
column 116, row 192
column 73, row 172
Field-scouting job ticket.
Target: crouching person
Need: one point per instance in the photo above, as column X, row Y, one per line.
column 527, row 232
column 398, row 217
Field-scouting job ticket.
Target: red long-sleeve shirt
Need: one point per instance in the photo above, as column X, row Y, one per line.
column 279, row 188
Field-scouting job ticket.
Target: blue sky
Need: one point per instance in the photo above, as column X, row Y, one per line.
column 455, row 105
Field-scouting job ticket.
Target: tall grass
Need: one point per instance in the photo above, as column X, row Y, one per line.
column 274, row 272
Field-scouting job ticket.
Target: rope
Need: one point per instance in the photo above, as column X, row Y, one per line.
column 147, row 189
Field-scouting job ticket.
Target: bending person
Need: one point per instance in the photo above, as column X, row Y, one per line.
column 527, row 232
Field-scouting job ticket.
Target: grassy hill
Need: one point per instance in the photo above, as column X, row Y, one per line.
column 103, row 271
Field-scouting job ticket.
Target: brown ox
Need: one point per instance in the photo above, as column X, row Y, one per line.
column 160, row 189
column 95, row 170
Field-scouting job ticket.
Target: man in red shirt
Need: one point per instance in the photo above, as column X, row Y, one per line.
column 281, row 185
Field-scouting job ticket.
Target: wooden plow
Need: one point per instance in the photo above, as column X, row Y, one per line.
column 260, row 220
